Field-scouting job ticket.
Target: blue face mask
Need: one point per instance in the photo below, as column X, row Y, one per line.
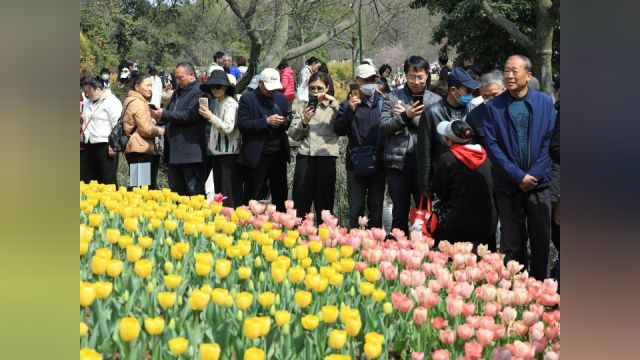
column 465, row 99
column 368, row 89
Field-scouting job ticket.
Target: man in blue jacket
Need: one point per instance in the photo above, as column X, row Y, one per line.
column 263, row 120
column 518, row 125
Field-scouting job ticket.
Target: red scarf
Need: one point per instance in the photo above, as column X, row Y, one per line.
column 471, row 155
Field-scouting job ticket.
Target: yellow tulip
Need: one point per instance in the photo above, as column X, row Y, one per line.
column 145, row 242
column 366, row 288
column 302, row 252
column 348, row 313
column 244, row 247
column 86, row 233
column 387, row 307
column 114, row 267
column 199, row 300
column 205, row 258
column 323, row 233
column 282, row 261
column 103, row 289
column 154, row 326
column 321, row 285
column 244, row 300
column 124, row 241
column 233, row 252
column 302, row 298
column 329, row 314
column 229, row 228
column 331, row 254
column 265, row 325
column 289, row 242
column 166, row 299
column 223, row 268
column 353, row 326
column 310, row 322
column 266, row 299
column 83, row 329
column 336, row 279
column 202, row 269
column 220, row 296
column 371, row 274
column 131, row 224
column 337, row 357
column 172, row 281
column 178, row 345
column 206, row 288
column 84, row 247
column 275, row 234
column 134, row 253
column 253, row 353
column 89, row 354
column 267, row 226
column 283, row 317
column 95, row 220
column 104, row 253
column 252, row 328
column 209, row 351
column 98, row 265
column 129, row 328
column 175, row 253
column 346, row 251
column 315, row 246
column 143, row 268
column 296, row 274
column 374, row 337
column 278, row 273
column 337, row 339
column 244, row 272
column 378, row 295
column 170, row 225
column 305, row 263
column 270, row 254
column 87, row 294
column 372, row 350
column 347, row 264
column 183, row 247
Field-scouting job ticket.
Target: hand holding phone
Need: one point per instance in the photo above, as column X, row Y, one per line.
column 204, row 102
column 354, row 89
column 313, row 102
column 153, row 107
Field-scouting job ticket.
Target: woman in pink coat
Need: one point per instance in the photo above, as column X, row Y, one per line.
column 287, row 78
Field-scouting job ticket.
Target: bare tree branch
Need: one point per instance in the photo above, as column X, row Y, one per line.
column 507, row 25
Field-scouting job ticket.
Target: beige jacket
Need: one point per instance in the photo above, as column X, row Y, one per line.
column 138, row 116
column 318, row 137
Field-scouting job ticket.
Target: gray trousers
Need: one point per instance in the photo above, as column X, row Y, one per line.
column 526, row 216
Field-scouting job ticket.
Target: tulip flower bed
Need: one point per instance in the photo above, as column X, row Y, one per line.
column 165, row 276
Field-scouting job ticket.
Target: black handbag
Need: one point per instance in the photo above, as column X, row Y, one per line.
column 364, row 160
column 118, row 138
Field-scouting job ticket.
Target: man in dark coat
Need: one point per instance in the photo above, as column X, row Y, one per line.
column 263, row 120
column 518, row 125
column 185, row 144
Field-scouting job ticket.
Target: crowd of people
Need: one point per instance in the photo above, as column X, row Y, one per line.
column 481, row 146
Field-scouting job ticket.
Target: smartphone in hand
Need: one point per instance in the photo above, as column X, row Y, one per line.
column 313, row 102
column 204, row 101
column 153, row 107
column 417, row 98
column 355, row 89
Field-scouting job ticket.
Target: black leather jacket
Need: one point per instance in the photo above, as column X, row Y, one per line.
column 398, row 129
column 430, row 144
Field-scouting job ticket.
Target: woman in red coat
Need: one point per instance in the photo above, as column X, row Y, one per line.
column 287, row 78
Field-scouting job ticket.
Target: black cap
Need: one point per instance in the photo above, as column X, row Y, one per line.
column 460, row 77
column 218, row 77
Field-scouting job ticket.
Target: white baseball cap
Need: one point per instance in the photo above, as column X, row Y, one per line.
column 271, row 79
column 364, row 71
column 444, row 129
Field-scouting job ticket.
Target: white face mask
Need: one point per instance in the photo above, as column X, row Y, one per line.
column 105, row 77
column 368, row 89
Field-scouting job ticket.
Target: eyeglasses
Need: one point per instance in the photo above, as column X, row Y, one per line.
column 216, row 87
column 316, row 88
column 416, row 78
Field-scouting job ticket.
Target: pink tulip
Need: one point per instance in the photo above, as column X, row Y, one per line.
column 438, row 323
column 271, row 209
column 420, row 315
column 484, row 336
column 549, row 299
column 508, row 314
column 474, row 274
column 504, row 297
column 501, row 354
column 440, row 354
column 418, row 356
column 354, row 241
column 465, row 332
column 551, row 332
column 454, row 305
column 379, row 234
column 529, row 318
column 433, row 300
column 492, row 277
column 460, row 275
column 374, row 255
column 421, row 294
column 490, row 308
column 536, row 331
column 551, row 355
column 414, row 262
column 505, row 284
column 514, row 267
column 539, row 345
column 362, row 221
column 487, row 293
column 499, row 332
column 464, row 289
column 427, row 268
column 360, row 266
column 404, row 255
column 411, row 278
column 401, row 302
column 520, row 297
column 447, row 336
column 389, row 271
column 434, row 286
column 520, row 328
column 473, row 321
column 486, row 322
column 521, row 349
column 468, row 309
column 473, row 350
column 458, row 261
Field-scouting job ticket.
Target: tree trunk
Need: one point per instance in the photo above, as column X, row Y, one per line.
column 280, row 36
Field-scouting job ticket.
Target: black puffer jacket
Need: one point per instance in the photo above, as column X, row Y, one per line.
column 430, row 144
column 399, row 129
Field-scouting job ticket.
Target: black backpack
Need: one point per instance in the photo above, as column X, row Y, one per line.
column 118, row 139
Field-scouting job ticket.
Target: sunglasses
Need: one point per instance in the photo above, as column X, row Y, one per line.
column 316, row 88
column 217, row 87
